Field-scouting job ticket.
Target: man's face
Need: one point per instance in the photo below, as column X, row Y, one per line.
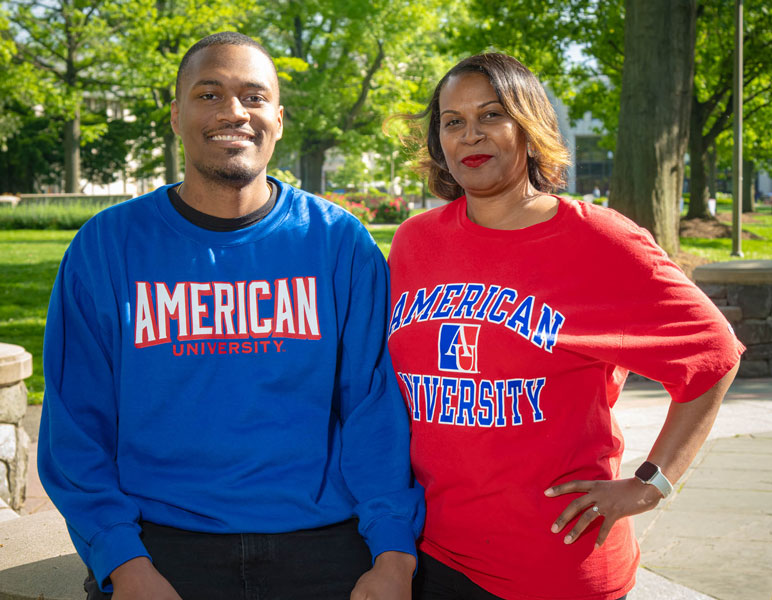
column 228, row 114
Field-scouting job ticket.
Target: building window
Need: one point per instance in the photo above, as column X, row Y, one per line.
column 593, row 165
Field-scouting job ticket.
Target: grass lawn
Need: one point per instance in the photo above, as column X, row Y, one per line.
column 382, row 235
column 29, row 260
column 720, row 249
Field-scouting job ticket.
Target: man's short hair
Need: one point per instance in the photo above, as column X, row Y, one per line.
column 223, row 38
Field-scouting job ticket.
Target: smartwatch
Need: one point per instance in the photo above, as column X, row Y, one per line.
column 651, row 474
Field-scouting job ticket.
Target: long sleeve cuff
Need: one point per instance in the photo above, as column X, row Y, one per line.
column 113, row 547
column 390, row 533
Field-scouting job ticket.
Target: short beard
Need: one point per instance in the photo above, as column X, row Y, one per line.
column 237, row 176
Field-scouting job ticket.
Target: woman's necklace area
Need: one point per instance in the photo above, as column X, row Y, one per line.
column 518, row 216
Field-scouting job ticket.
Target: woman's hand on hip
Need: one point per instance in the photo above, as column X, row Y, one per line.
column 609, row 500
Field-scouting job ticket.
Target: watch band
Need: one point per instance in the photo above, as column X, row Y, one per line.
column 651, row 474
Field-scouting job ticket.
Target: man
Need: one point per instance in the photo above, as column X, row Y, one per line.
column 220, row 412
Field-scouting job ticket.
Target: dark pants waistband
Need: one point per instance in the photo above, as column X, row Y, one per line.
column 318, row 564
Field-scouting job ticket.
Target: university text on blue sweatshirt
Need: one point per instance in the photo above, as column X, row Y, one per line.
column 226, row 311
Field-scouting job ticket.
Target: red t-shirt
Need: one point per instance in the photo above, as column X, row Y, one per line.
column 511, row 347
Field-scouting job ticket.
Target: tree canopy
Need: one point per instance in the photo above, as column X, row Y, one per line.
column 67, row 43
column 344, row 66
column 354, row 63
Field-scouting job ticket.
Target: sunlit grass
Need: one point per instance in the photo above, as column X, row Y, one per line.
column 720, row 249
column 382, row 234
column 29, row 260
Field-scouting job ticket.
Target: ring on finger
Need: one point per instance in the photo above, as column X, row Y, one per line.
column 595, row 508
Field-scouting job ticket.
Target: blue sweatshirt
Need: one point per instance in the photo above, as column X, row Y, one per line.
column 223, row 382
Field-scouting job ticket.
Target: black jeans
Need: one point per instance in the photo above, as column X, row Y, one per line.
column 437, row 581
column 313, row 564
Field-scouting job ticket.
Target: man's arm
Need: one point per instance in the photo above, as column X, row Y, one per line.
column 78, row 432
column 375, row 439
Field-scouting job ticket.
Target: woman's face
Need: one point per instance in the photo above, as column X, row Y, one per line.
column 484, row 147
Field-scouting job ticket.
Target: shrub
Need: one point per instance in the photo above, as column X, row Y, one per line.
column 371, row 199
column 358, row 209
column 392, row 210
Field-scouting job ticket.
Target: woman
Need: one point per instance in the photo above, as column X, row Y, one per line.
column 516, row 315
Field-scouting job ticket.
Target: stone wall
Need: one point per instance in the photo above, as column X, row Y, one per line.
column 742, row 290
column 15, row 367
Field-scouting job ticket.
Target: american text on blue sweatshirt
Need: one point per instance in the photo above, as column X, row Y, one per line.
column 479, row 302
column 284, row 308
column 466, row 402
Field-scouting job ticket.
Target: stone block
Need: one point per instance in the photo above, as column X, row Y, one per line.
column 745, row 272
column 758, row 352
column 754, row 300
column 713, row 290
column 754, row 331
column 15, row 363
column 754, row 368
column 13, row 402
column 7, row 442
column 5, row 485
column 733, row 314
column 17, row 472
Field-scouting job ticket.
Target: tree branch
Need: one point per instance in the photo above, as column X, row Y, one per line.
column 352, row 114
column 608, row 64
column 48, row 47
column 747, row 115
column 40, row 63
column 764, row 90
column 298, row 38
column 721, row 122
column 90, row 12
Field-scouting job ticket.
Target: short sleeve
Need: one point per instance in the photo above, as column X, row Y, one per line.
column 677, row 335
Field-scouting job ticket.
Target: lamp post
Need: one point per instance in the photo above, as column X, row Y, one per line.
column 737, row 162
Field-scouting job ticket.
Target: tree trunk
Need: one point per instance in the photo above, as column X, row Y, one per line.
column 653, row 131
column 713, row 165
column 171, row 157
column 72, row 154
column 311, row 163
column 171, row 145
column 749, row 189
column 699, row 165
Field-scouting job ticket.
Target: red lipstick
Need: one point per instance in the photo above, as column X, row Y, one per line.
column 475, row 160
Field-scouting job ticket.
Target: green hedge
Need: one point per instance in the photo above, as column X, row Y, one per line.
column 70, row 215
column 67, row 199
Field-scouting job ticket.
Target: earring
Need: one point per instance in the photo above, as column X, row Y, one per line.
column 529, row 150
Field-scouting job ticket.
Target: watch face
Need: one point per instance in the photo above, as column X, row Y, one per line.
column 646, row 471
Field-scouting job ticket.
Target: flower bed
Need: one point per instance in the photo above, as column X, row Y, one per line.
column 372, row 207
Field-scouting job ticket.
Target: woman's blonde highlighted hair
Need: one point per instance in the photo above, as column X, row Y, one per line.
column 524, row 99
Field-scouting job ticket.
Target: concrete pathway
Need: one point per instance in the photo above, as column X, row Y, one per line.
column 711, row 539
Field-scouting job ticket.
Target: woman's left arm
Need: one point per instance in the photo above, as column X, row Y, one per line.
column 685, row 429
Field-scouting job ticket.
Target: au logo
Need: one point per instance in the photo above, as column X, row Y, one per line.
column 458, row 348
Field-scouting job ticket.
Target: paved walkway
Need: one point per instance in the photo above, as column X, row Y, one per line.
column 711, row 539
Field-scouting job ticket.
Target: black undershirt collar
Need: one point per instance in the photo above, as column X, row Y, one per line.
column 213, row 223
